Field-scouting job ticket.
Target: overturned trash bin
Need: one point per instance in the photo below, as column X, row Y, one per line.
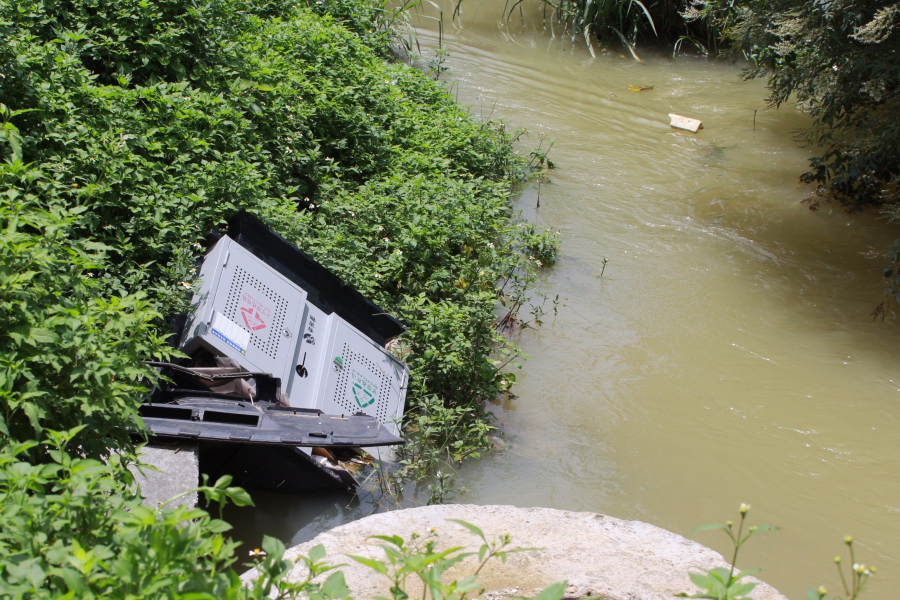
column 288, row 383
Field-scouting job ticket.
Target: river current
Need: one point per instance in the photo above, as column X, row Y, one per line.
column 726, row 355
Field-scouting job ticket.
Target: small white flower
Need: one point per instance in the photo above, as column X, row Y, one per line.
column 352, row 214
column 377, row 275
column 257, row 552
column 185, row 285
column 387, row 239
column 490, row 244
column 835, row 67
column 539, row 263
column 399, row 252
column 380, row 228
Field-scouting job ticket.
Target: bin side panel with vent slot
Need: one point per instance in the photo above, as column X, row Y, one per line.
column 305, row 384
column 360, row 376
column 253, row 313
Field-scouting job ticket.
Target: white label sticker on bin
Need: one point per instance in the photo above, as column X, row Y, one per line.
column 230, row 332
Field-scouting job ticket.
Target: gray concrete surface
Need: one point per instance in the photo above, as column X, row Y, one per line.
column 179, row 468
column 598, row 555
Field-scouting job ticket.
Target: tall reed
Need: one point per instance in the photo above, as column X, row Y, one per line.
column 625, row 21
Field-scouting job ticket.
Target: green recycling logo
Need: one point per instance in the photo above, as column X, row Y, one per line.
column 362, row 396
column 361, row 386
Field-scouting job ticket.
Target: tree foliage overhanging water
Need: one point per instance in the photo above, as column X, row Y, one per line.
column 840, row 60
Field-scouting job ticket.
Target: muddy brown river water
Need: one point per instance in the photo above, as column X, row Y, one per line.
column 727, row 354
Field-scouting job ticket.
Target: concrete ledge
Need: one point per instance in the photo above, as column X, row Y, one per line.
column 596, row 554
column 180, row 466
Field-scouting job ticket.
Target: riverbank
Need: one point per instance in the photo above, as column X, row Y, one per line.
column 598, row 555
column 129, row 131
column 297, row 116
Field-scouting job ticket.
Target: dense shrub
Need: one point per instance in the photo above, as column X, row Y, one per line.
column 67, row 356
column 75, row 528
column 155, row 122
column 128, row 129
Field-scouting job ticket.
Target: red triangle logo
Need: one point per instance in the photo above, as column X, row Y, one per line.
column 252, row 319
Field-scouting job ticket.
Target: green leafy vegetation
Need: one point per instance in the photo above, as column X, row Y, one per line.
column 75, row 527
column 723, row 584
column 418, row 563
column 128, row 130
column 150, row 124
column 726, row 584
column 618, row 21
column 70, row 357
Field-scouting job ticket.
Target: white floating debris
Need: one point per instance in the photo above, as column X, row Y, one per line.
column 680, row 122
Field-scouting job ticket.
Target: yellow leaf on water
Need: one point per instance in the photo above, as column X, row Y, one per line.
column 643, row 88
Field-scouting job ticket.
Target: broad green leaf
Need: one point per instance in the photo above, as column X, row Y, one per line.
column 556, row 591
column 375, row 565
column 223, row 482
column 747, row 572
column 393, row 539
column 470, row 527
column 737, row 590
column 317, row 553
column 239, row 496
column 335, row 586
column 708, row 528
column 701, row 581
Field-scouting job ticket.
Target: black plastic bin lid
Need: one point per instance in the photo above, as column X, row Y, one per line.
column 325, row 290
